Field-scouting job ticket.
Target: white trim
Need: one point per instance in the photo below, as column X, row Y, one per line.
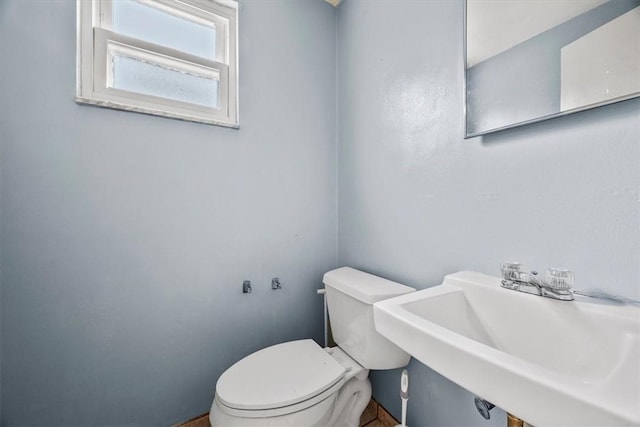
column 135, row 109
column 234, row 58
column 172, row 63
column 96, row 44
column 86, row 17
column 105, row 15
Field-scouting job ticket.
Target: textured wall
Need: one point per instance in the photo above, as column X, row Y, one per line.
column 126, row 237
column 417, row 201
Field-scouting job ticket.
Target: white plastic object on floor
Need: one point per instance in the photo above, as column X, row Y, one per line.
column 404, row 395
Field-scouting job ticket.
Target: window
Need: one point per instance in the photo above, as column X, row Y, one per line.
column 173, row 58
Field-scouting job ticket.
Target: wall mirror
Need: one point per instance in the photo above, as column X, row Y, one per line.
column 527, row 61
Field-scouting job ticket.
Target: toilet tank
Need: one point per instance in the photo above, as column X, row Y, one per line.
column 350, row 297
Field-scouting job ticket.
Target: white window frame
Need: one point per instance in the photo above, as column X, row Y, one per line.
column 97, row 43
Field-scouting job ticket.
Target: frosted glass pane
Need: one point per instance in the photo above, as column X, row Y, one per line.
column 147, row 23
column 151, row 79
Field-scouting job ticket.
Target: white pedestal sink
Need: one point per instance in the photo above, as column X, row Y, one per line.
column 551, row 363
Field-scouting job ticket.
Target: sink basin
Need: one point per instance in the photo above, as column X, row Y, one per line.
column 569, row 363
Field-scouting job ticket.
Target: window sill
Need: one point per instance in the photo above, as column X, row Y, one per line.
column 178, row 116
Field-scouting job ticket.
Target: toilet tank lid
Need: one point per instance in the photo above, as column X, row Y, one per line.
column 279, row 376
column 364, row 286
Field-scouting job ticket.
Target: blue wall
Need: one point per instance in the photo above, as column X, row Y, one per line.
column 417, row 201
column 126, row 237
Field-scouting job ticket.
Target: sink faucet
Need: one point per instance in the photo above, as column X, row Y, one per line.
column 556, row 284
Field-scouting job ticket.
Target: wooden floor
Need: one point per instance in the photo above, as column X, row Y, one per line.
column 201, row 421
column 376, row 416
column 373, row 416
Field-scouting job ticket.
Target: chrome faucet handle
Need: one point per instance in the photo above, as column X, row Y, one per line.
column 559, row 279
column 510, row 270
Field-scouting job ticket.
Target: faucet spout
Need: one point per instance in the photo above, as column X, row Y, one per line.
column 535, row 281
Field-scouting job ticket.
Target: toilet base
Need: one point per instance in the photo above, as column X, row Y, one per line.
column 352, row 399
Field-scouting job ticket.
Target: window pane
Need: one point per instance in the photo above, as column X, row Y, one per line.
column 147, row 23
column 152, row 79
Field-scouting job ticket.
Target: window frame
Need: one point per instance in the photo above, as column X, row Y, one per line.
column 97, row 43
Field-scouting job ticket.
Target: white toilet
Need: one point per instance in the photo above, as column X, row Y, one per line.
column 299, row 383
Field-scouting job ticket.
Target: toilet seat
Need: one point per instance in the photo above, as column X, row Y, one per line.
column 280, row 379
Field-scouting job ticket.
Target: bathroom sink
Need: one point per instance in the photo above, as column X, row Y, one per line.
column 545, row 361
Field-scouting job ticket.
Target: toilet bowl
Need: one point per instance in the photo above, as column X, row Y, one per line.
column 299, row 383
